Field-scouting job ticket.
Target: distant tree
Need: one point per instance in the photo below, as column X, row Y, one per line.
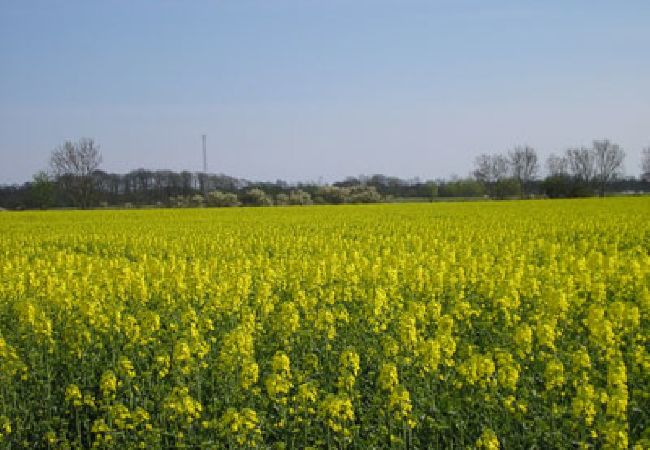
column 608, row 162
column 557, row 165
column 179, row 201
column 558, row 183
column 299, row 197
column 507, row 187
column 433, row 188
column 222, row 199
column 558, row 186
column 197, row 200
column 282, row 199
column 645, row 164
column 461, row 188
column 483, row 169
column 359, row 193
column 256, row 197
column 186, row 179
column 73, row 165
column 332, row 194
column 144, row 180
column 524, row 166
column 363, row 194
column 42, row 190
column 489, row 170
column 581, row 164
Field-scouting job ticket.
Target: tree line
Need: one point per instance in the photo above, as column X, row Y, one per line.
column 75, row 179
column 580, row 171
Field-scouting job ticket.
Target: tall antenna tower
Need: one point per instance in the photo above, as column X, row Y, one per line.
column 203, row 178
column 205, row 155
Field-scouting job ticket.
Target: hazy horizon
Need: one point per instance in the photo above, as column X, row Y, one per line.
column 299, row 90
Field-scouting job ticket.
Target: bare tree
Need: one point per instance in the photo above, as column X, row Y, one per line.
column 73, row 165
column 500, row 167
column 608, row 162
column 483, row 168
column 645, row 164
column 557, row 165
column 581, row 163
column 524, row 166
column 489, row 170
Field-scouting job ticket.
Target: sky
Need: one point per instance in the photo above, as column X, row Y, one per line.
column 306, row 90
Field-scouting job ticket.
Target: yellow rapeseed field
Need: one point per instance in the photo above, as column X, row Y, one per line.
column 489, row 325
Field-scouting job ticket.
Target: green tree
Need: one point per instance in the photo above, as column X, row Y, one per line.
column 433, row 188
column 42, row 190
column 256, row 197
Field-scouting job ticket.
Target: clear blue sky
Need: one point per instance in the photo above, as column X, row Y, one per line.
column 302, row 89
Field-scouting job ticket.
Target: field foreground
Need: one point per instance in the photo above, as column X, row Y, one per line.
column 511, row 324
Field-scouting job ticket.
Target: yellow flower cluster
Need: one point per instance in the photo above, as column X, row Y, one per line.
column 278, row 384
column 337, row 411
column 240, row 427
column 488, row 440
column 180, row 406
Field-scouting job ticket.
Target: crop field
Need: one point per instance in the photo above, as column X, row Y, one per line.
column 490, row 325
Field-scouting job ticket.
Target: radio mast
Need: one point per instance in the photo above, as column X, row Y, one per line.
column 204, row 175
column 205, row 155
